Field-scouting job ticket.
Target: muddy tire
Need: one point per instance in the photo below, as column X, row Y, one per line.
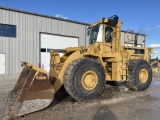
column 84, row 79
column 140, row 75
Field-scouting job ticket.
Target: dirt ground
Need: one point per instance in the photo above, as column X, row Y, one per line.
column 116, row 103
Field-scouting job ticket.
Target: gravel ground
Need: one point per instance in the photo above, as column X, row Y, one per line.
column 7, row 84
column 114, row 104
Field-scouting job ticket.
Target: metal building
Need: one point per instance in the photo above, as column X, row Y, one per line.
column 26, row 36
column 129, row 38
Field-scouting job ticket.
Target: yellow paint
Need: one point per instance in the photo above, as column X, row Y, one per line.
column 59, row 80
column 34, row 67
column 114, row 57
column 116, row 71
column 143, row 75
column 89, row 80
column 155, row 70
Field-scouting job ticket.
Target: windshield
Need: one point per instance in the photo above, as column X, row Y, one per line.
column 96, row 34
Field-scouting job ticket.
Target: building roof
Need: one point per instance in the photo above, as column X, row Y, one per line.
column 42, row 15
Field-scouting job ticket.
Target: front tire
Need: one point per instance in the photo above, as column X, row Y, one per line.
column 140, row 75
column 84, row 79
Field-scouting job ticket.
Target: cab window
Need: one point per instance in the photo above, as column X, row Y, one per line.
column 108, row 34
column 96, row 34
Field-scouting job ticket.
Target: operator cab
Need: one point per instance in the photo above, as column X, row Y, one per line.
column 96, row 34
column 96, row 30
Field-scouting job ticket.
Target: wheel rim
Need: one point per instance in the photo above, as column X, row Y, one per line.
column 143, row 75
column 89, row 80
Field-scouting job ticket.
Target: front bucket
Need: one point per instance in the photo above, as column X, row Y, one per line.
column 31, row 93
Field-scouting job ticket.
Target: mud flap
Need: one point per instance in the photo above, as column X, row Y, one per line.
column 31, row 93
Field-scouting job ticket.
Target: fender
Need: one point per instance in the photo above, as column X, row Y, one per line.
column 59, row 80
column 76, row 55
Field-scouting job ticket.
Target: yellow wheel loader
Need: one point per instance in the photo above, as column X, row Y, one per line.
column 83, row 71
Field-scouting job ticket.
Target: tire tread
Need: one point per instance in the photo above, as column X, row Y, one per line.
column 68, row 84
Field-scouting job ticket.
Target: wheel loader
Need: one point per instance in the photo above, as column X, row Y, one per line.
column 83, row 71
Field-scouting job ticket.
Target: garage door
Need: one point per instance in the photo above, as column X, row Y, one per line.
column 49, row 42
column 2, row 63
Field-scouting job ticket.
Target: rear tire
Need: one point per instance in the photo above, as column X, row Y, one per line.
column 84, row 79
column 140, row 75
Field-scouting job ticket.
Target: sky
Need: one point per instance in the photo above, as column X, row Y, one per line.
column 142, row 16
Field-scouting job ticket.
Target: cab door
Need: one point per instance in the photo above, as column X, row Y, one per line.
column 108, row 39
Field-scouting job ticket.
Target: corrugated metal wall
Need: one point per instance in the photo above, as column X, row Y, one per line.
column 26, row 46
column 131, row 37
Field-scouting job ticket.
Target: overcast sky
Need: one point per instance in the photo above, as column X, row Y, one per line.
column 139, row 15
